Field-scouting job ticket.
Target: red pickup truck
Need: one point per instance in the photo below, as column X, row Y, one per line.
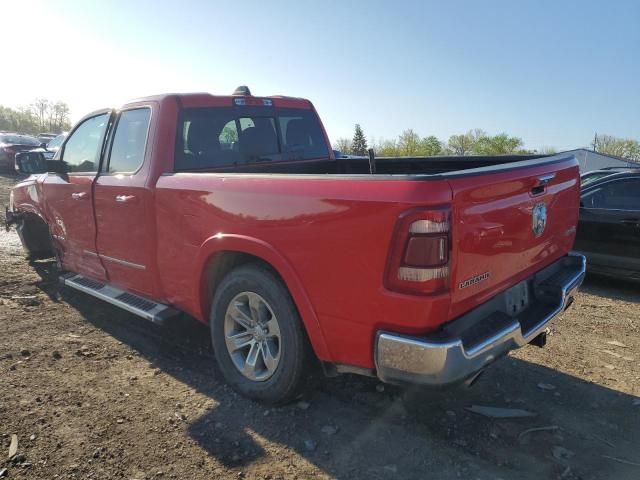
column 235, row 210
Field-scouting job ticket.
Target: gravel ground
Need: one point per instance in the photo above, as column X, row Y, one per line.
column 92, row 392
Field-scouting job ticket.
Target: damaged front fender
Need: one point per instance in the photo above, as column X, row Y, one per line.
column 10, row 218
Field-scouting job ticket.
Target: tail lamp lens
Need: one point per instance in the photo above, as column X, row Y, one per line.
column 430, row 226
column 426, row 251
column 410, row 274
column 419, row 257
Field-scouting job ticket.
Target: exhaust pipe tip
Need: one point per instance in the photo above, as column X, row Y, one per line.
column 540, row 340
column 569, row 302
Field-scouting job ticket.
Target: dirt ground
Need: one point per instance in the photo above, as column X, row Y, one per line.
column 93, row 392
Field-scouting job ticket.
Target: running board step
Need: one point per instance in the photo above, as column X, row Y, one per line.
column 143, row 307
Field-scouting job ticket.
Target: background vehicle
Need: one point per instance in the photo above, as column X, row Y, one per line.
column 594, row 175
column 46, row 137
column 10, row 144
column 234, row 210
column 609, row 224
column 50, row 150
column 337, row 154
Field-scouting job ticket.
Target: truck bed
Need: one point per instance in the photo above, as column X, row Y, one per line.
column 428, row 165
column 384, row 165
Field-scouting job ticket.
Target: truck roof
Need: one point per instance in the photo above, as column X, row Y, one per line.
column 241, row 96
column 206, row 99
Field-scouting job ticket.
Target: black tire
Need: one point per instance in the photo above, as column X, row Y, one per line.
column 295, row 353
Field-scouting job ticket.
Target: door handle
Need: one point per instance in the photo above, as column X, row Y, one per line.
column 544, row 179
column 125, row 198
column 79, row 195
column 541, row 183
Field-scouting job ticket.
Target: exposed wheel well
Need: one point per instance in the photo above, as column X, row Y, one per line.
column 35, row 236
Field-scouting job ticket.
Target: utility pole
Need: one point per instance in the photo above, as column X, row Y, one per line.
column 595, row 141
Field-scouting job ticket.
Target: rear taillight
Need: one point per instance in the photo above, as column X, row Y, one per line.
column 419, row 256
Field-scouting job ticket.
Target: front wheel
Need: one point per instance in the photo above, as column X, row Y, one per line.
column 257, row 335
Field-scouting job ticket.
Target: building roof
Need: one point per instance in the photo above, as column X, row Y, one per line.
column 590, row 160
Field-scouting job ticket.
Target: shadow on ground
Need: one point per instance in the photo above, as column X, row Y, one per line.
column 612, row 288
column 351, row 429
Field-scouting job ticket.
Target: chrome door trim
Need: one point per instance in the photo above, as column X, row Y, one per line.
column 137, row 266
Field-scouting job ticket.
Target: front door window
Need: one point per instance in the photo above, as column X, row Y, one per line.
column 82, row 151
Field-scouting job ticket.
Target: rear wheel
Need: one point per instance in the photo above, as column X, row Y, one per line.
column 257, row 335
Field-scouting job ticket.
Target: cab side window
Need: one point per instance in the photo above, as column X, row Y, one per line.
column 82, row 151
column 129, row 141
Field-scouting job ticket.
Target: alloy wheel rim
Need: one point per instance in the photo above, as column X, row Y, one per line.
column 252, row 336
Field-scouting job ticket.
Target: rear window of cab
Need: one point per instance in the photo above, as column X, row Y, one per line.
column 219, row 137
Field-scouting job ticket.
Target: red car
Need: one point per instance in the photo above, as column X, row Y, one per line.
column 234, row 210
column 12, row 143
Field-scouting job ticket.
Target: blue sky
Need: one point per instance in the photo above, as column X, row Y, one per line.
column 551, row 72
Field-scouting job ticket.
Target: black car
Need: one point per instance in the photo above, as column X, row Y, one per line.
column 10, row 144
column 593, row 175
column 609, row 225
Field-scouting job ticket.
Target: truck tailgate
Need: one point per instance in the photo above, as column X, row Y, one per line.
column 508, row 224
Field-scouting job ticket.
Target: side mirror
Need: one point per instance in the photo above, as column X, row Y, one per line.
column 31, row 162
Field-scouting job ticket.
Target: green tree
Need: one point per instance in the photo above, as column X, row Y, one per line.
column 501, row 144
column 387, row 148
column 359, row 143
column 22, row 121
column 59, row 117
column 460, row 144
column 547, row 150
column 430, row 146
column 463, row 144
column 408, row 143
column 618, row 147
column 42, row 116
column 40, row 109
column 342, row 145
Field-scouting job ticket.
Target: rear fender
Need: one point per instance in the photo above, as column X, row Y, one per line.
column 258, row 248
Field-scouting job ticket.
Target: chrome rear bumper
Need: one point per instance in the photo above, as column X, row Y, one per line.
column 471, row 342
